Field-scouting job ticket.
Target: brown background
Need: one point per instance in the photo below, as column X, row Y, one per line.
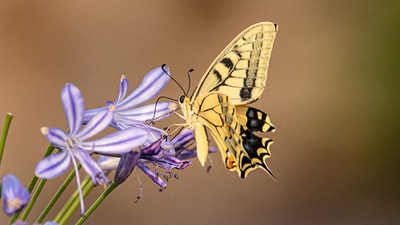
column 332, row 93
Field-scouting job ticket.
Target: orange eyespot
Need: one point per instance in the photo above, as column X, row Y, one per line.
column 230, row 161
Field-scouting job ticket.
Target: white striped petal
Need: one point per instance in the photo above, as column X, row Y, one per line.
column 74, row 108
column 146, row 112
column 123, row 88
column 152, row 83
column 53, row 165
column 98, row 123
column 118, row 142
column 89, row 114
column 90, row 166
column 56, row 136
column 107, row 163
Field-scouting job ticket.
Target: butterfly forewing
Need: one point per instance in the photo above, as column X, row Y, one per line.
column 240, row 71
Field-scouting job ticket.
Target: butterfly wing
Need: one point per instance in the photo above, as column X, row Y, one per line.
column 240, row 70
column 215, row 112
column 254, row 121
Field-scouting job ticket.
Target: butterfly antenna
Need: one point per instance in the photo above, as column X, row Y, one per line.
column 155, row 106
column 188, row 75
column 164, row 68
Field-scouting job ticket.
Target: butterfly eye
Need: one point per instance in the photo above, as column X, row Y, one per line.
column 182, row 99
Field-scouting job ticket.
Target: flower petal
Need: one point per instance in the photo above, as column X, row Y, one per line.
column 118, row 142
column 147, row 112
column 18, row 222
column 152, row 83
column 98, row 123
column 15, row 196
column 53, row 165
column 170, row 163
column 108, row 163
column 153, row 149
column 90, row 166
column 55, row 135
column 126, row 165
column 74, row 107
column 153, row 176
column 50, row 223
column 123, row 88
column 89, row 114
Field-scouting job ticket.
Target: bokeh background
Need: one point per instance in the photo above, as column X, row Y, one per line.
column 332, row 92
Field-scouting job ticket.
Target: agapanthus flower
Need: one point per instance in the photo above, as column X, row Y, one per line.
column 75, row 145
column 158, row 154
column 153, row 154
column 127, row 111
column 15, row 196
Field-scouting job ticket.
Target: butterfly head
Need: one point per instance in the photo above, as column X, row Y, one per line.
column 184, row 101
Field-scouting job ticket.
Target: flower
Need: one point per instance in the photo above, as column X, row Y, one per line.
column 154, row 154
column 75, row 146
column 15, row 196
column 127, row 114
column 163, row 153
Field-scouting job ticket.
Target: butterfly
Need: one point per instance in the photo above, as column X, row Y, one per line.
column 237, row 77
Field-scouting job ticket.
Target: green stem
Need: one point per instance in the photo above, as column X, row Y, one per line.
column 73, row 202
column 34, row 180
column 99, row 200
column 32, row 185
column 56, row 196
column 34, row 197
column 6, row 128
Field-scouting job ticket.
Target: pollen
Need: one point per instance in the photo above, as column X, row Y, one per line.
column 44, row 130
column 173, row 107
column 14, row 203
column 111, row 107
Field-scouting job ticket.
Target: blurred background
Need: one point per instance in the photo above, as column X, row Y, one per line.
column 332, row 92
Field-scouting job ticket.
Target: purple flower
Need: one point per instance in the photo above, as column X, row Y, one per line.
column 75, row 146
column 15, row 196
column 163, row 153
column 153, row 154
column 127, row 113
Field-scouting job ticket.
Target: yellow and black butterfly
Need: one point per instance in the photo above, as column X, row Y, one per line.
column 236, row 77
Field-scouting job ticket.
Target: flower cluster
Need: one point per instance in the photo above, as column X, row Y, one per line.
column 134, row 143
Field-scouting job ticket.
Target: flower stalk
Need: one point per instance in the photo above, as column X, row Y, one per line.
column 6, row 128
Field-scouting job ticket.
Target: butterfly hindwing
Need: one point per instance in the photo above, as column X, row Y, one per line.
column 216, row 113
column 253, row 121
column 232, row 128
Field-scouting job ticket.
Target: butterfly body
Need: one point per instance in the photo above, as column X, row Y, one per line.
column 236, row 77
